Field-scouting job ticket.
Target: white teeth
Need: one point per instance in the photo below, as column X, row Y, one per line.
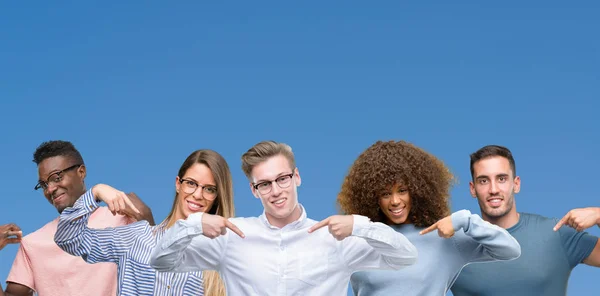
column 277, row 202
column 193, row 205
column 397, row 211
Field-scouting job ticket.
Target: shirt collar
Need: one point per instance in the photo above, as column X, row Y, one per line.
column 294, row 225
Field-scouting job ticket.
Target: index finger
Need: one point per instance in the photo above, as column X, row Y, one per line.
column 18, row 234
column 562, row 221
column 429, row 229
column 13, row 226
column 234, row 228
column 319, row 225
column 130, row 204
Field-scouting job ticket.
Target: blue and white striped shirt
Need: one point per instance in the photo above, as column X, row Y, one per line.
column 128, row 246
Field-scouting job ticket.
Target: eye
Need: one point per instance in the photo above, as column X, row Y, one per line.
column 402, row 190
column 482, row 181
column 502, row 179
column 211, row 190
column 190, row 183
column 386, row 195
column 263, row 185
column 283, row 178
column 55, row 178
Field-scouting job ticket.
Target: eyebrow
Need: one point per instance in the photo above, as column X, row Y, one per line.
column 279, row 175
column 205, row 185
column 487, row 177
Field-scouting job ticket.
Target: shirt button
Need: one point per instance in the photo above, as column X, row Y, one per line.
column 169, row 287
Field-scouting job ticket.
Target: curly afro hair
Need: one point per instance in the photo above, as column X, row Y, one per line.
column 56, row 148
column 386, row 164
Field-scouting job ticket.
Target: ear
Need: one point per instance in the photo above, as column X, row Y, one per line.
column 82, row 172
column 254, row 190
column 517, row 182
column 298, row 179
column 472, row 189
column 177, row 184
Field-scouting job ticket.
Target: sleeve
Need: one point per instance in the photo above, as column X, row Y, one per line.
column 484, row 241
column 376, row 246
column 183, row 248
column 21, row 271
column 577, row 245
column 94, row 245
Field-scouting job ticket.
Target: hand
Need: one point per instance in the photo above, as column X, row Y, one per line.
column 10, row 234
column 145, row 212
column 117, row 201
column 443, row 226
column 580, row 219
column 215, row 225
column 340, row 226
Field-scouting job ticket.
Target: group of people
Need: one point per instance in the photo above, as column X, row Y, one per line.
column 395, row 234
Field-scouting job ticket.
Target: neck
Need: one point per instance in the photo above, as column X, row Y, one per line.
column 507, row 221
column 282, row 222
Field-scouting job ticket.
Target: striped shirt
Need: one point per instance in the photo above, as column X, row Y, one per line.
column 128, row 246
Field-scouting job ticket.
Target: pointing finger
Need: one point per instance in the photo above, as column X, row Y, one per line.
column 130, row 204
column 319, row 225
column 234, row 228
column 562, row 221
column 429, row 229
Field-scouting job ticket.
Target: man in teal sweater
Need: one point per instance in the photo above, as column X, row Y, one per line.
column 549, row 250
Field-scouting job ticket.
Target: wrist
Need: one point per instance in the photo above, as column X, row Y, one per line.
column 597, row 216
column 95, row 193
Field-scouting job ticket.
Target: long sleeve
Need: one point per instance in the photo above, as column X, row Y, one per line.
column 183, row 248
column 376, row 246
column 488, row 242
column 94, row 245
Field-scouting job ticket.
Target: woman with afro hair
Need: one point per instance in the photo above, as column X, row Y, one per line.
column 403, row 186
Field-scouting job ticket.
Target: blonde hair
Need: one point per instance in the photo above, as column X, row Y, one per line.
column 223, row 205
column 263, row 151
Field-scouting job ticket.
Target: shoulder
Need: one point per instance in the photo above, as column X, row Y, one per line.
column 532, row 220
column 245, row 221
column 43, row 233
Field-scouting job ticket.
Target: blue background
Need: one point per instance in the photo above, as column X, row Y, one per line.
column 137, row 86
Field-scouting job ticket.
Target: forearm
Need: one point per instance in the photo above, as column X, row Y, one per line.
column 497, row 243
column 394, row 248
column 72, row 225
column 183, row 248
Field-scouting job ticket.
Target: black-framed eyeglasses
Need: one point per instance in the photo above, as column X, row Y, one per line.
column 283, row 181
column 55, row 177
column 188, row 186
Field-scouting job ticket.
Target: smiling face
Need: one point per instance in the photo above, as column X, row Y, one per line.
column 396, row 205
column 199, row 200
column 494, row 186
column 281, row 200
column 62, row 192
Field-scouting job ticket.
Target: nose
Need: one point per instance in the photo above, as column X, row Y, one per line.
column 275, row 189
column 198, row 193
column 51, row 189
column 494, row 188
column 395, row 199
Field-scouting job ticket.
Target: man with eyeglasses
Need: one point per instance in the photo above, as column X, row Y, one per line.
column 40, row 265
column 281, row 252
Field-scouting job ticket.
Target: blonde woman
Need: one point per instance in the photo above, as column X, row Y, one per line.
column 203, row 184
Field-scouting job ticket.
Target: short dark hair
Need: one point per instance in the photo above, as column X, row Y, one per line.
column 56, row 148
column 491, row 151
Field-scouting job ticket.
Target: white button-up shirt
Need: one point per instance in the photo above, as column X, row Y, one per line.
column 282, row 261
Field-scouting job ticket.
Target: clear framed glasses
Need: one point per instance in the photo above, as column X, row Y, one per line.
column 188, row 186
column 265, row 187
column 55, row 178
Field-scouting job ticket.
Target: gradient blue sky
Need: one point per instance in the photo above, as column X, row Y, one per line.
column 138, row 86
